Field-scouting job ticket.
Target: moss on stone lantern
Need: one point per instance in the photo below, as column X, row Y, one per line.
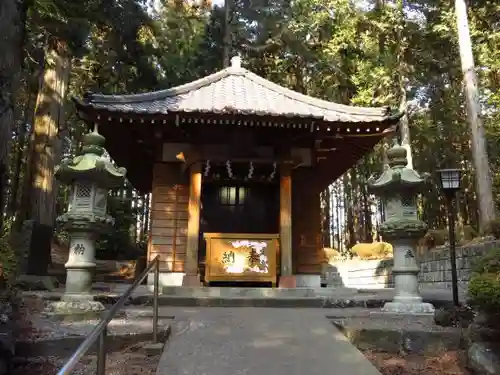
column 398, row 187
column 90, row 175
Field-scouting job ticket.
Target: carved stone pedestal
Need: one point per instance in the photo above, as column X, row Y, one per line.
column 407, row 299
column 80, row 266
column 413, row 308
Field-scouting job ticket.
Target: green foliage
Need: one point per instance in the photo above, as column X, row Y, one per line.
column 484, row 292
column 488, row 263
column 333, row 49
column 484, row 285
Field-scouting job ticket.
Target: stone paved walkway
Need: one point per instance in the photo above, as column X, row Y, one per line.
column 253, row 341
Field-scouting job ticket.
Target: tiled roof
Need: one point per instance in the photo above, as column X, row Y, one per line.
column 235, row 90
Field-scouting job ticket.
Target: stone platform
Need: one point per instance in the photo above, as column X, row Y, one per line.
column 258, row 297
column 236, row 292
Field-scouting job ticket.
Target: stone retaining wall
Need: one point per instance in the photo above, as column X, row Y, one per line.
column 435, row 269
column 435, row 265
column 358, row 273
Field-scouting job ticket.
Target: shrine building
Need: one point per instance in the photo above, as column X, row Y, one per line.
column 235, row 164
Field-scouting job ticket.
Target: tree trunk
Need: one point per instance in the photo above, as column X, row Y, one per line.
column 9, row 76
column 325, row 218
column 34, row 83
column 339, row 192
column 49, row 118
column 404, row 124
column 367, row 214
column 22, row 152
column 479, row 152
column 227, row 33
column 46, row 154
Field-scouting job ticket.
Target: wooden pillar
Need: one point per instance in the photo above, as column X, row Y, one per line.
column 286, row 278
column 307, row 244
column 169, row 217
column 193, row 229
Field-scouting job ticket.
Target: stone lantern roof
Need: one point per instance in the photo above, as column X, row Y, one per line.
column 91, row 165
column 397, row 178
column 398, row 185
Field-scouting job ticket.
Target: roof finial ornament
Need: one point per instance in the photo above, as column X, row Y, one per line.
column 236, row 62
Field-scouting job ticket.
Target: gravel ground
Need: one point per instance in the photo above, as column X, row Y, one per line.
column 33, row 327
column 125, row 362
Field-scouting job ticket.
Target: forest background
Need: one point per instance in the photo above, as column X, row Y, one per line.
column 401, row 53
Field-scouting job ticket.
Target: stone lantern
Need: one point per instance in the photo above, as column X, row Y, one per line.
column 398, row 187
column 90, row 175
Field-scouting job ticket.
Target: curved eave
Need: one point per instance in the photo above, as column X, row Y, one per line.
column 106, row 177
column 353, row 149
column 92, row 110
column 388, row 185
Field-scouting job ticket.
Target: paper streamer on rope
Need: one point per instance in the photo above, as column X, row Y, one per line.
column 273, row 173
column 229, row 170
column 207, row 168
column 250, row 171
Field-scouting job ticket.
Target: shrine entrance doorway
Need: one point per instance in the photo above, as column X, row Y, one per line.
column 231, row 207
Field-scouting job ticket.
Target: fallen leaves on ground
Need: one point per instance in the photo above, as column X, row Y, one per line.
column 390, row 364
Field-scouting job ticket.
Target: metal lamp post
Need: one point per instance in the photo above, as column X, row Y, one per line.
column 450, row 184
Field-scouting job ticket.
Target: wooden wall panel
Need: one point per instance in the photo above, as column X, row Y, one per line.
column 170, row 194
column 306, row 223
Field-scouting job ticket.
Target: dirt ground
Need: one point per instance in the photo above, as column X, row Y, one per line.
column 448, row 363
column 390, row 364
column 119, row 363
column 129, row 361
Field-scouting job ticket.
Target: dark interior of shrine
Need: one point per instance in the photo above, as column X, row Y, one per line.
column 238, row 198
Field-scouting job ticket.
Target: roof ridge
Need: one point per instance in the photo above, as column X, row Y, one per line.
column 162, row 94
column 236, row 71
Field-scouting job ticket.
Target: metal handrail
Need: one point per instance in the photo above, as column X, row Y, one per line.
column 100, row 331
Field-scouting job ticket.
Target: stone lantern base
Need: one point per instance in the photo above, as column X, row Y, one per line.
column 407, row 299
column 412, row 308
column 75, row 308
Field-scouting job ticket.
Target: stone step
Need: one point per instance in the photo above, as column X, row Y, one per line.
column 230, row 292
column 258, row 297
column 274, row 302
column 367, row 301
